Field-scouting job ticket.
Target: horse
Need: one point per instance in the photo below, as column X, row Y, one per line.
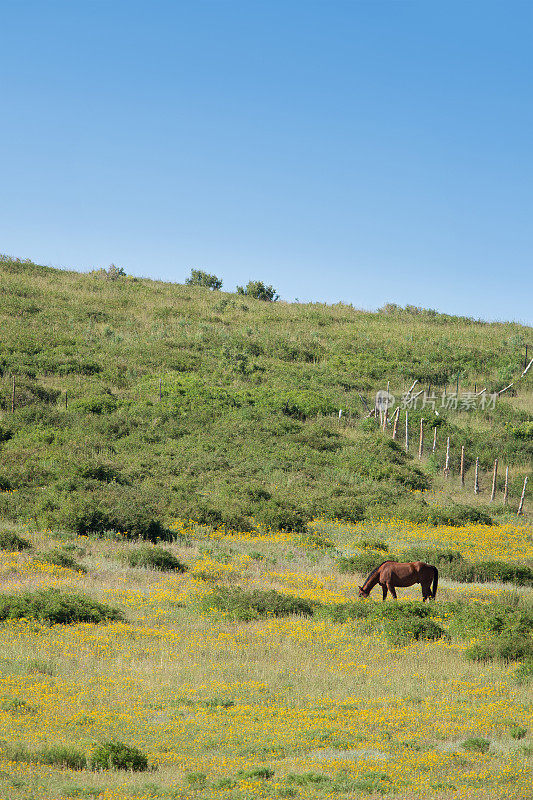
column 396, row 573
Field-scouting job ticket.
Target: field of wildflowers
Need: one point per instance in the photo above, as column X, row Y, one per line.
column 300, row 707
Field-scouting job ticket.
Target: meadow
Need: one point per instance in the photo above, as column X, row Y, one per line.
column 290, row 706
column 185, row 519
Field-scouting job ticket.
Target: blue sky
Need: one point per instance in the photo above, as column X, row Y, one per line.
column 363, row 152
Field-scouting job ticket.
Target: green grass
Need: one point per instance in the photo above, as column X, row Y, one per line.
column 53, row 607
column 137, row 402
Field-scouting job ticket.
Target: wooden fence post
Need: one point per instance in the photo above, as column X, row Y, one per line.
column 506, row 488
column 434, row 440
column 521, row 504
column 406, row 431
column 66, row 399
column 447, row 464
column 421, row 439
column 462, row 465
column 476, row 478
column 494, row 476
column 395, row 425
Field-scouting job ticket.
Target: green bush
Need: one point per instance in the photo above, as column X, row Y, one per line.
column 200, row 278
column 259, row 291
column 14, row 542
column 347, row 510
column 104, row 403
column 524, row 672
column 53, row 607
column 402, row 631
column 64, row 756
column 343, row 612
column 517, row 732
column 452, row 514
column 117, row 755
column 60, row 559
column 196, row 780
column 362, row 562
column 155, row 558
column 509, row 618
column 506, row 647
column 260, row 773
column 502, row 571
column 451, row 564
column 118, row 510
column 61, row 756
column 243, row 605
column 271, row 516
column 476, row 744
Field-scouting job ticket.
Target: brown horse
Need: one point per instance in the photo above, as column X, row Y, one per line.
column 396, row 573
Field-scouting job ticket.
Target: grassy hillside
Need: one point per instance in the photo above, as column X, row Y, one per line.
column 139, row 402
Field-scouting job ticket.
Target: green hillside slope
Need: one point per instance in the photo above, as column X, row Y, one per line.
column 137, row 402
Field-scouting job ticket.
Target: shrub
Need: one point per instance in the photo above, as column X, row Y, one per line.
column 393, row 612
column 155, row 558
column 53, row 607
column 507, row 647
column 114, row 273
column 66, row 756
column 452, row 514
column 103, row 403
column 60, row 559
column 451, row 564
column 476, row 744
column 361, row 563
column 117, row 755
column 346, row 510
column 120, row 511
column 61, row 756
column 280, row 518
column 196, row 780
column 200, row 278
column 402, row 631
column 12, row 541
column 245, row 605
column 343, row 612
column 517, row 732
column 504, row 572
column 258, row 290
column 260, row 773
column 524, row 672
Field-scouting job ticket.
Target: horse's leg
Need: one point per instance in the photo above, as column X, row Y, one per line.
column 392, row 590
column 384, row 587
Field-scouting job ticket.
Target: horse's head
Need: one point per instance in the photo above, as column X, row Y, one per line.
column 362, row 592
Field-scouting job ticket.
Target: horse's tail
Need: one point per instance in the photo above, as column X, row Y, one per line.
column 435, row 581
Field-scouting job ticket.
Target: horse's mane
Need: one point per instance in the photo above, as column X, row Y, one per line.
column 374, row 571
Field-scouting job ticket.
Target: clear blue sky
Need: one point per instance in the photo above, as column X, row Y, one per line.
column 366, row 152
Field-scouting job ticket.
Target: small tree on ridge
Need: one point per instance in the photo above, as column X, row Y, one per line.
column 200, row 278
column 258, row 290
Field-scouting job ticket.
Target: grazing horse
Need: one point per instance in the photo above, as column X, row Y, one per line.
column 395, row 573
